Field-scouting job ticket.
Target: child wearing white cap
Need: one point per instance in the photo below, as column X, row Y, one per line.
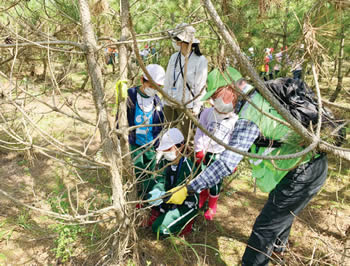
column 196, row 75
column 145, row 108
column 169, row 219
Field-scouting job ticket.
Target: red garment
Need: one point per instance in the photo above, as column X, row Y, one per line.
column 153, row 216
column 187, row 229
column 266, row 60
column 200, row 157
column 203, row 196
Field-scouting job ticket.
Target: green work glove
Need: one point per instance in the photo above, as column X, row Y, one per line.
column 178, row 195
column 154, row 197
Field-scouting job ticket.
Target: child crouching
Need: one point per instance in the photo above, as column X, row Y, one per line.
column 170, row 218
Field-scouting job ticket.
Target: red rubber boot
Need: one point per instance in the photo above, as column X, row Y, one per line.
column 213, row 202
column 203, row 196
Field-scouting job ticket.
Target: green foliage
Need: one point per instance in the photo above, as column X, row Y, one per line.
column 22, row 162
column 178, row 243
column 59, row 199
column 68, row 8
column 2, row 257
column 66, row 240
column 23, row 220
column 32, row 10
column 5, row 233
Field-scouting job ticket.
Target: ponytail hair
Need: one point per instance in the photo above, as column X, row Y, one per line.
column 196, row 50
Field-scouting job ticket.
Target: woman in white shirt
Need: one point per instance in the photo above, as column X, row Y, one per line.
column 188, row 94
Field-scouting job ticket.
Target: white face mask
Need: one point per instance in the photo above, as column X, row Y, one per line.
column 176, row 47
column 150, row 92
column 222, row 107
column 159, row 156
column 169, row 155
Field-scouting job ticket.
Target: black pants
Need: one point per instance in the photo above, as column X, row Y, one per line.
column 291, row 195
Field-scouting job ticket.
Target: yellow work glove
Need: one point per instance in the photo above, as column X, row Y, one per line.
column 121, row 88
column 178, row 196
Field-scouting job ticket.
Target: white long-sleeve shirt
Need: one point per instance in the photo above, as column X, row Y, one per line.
column 196, row 78
column 219, row 125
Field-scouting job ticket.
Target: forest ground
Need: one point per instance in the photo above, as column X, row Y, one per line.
column 30, row 238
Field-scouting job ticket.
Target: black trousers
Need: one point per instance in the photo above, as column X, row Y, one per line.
column 272, row 227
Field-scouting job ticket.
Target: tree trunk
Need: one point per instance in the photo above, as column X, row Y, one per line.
column 123, row 69
column 340, row 64
column 125, row 235
column 123, row 123
column 111, row 146
column 122, row 104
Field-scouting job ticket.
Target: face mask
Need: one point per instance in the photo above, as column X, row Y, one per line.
column 150, row 92
column 176, row 47
column 159, row 156
column 169, row 155
column 222, row 107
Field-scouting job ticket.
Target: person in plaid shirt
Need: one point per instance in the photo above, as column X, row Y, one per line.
column 290, row 190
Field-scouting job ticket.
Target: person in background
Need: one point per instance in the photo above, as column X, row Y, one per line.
column 264, row 69
column 111, row 55
column 251, row 55
column 282, row 61
column 154, row 54
column 144, row 107
column 270, row 62
column 165, row 218
column 219, row 121
column 144, row 53
column 190, row 93
column 277, row 66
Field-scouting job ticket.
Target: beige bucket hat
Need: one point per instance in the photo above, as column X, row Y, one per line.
column 185, row 33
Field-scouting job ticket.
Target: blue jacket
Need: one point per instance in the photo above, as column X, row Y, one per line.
column 158, row 116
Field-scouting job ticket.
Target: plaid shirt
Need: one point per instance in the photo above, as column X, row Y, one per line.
column 243, row 137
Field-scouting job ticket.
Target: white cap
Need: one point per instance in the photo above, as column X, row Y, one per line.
column 157, row 73
column 251, row 49
column 185, row 33
column 170, row 138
